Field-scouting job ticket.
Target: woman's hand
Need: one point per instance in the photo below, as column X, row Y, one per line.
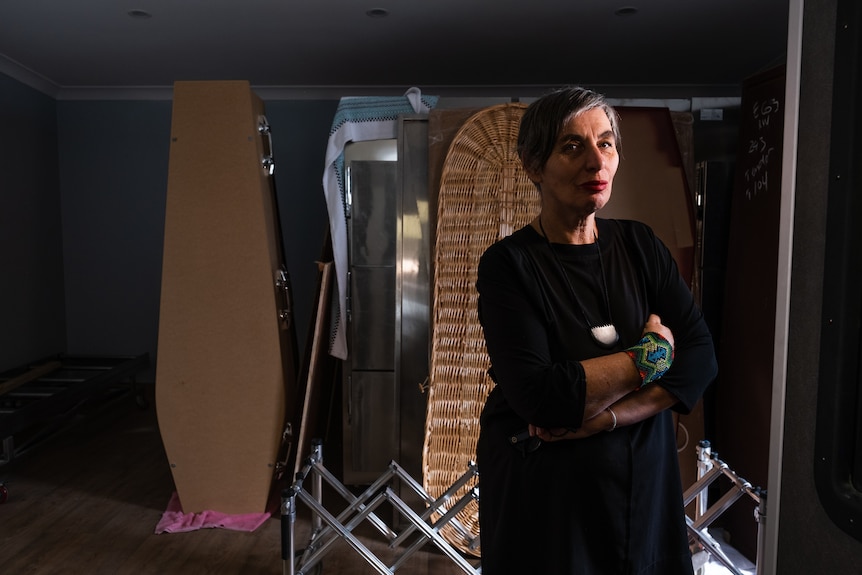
column 553, row 434
column 654, row 324
column 600, row 422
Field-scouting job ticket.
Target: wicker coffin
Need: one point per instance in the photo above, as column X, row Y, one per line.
column 484, row 195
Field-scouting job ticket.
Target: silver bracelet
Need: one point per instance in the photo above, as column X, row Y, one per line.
column 614, row 416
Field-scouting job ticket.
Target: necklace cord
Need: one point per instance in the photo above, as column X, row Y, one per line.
column 602, row 342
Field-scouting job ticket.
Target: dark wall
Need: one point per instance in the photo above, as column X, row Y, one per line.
column 808, row 540
column 32, row 315
column 113, row 173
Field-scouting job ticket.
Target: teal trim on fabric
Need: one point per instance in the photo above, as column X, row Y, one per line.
column 375, row 109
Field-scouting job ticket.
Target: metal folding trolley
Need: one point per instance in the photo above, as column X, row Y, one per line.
column 709, row 469
column 421, row 526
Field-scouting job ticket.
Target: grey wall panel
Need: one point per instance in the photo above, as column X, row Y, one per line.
column 808, row 540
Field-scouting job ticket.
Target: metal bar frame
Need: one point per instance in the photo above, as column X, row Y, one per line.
column 328, row 528
column 709, row 469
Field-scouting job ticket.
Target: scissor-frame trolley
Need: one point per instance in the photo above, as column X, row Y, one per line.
column 709, row 469
column 422, row 526
column 38, row 398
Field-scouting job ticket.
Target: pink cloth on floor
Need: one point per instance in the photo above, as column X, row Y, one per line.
column 175, row 521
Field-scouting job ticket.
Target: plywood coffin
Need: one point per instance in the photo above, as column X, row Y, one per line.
column 225, row 377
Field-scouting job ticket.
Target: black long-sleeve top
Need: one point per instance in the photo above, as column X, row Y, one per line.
column 613, row 499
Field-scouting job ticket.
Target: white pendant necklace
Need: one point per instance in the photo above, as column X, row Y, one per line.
column 606, row 335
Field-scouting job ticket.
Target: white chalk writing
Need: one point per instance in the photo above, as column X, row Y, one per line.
column 759, row 148
column 763, row 111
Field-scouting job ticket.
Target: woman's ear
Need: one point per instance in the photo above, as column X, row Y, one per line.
column 534, row 175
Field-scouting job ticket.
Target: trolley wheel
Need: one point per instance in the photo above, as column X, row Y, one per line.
column 4, row 493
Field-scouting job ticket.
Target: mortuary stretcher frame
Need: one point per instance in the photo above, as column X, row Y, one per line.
column 423, row 527
column 709, row 469
column 419, row 528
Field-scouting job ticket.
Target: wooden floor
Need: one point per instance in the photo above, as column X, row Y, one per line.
column 88, row 500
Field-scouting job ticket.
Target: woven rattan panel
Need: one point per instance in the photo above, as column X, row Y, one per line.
column 484, row 195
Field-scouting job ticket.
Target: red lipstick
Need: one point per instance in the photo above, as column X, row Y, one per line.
column 595, row 185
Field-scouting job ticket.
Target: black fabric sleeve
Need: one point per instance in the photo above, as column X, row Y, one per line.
column 694, row 365
column 513, row 311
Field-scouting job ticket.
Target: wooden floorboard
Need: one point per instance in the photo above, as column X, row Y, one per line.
column 87, row 501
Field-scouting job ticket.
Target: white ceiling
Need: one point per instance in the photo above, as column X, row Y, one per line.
column 64, row 45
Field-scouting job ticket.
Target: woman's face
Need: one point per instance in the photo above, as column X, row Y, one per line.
column 578, row 176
